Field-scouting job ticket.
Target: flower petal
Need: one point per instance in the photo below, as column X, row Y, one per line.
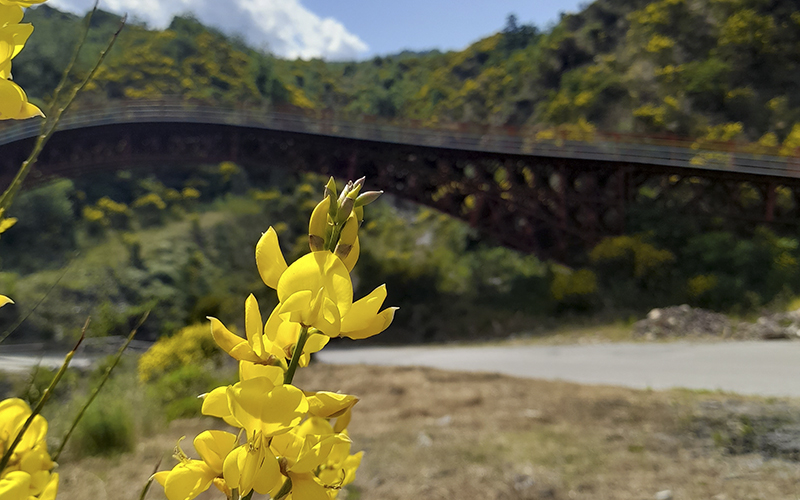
column 352, row 257
column 15, row 486
column 329, row 404
column 269, row 258
column 214, row 446
column 249, row 370
column 262, row 407
column 253, row 325
column 318, row 270
column 231, row 343
column 188, row 479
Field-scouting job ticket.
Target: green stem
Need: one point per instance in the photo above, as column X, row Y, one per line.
column 45, row 396
column 249, row 495
column 11, row 330
column 298, row 351
column 146, row 488
column 46, row 133
column 285, row 489
column 99, row 386
column 75, row 54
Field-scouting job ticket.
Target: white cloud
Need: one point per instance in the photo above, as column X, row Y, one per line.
column 285, row 27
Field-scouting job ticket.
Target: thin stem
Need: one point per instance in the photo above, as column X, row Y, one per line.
column 149, row 481
column 73, row 61
column 285, row 489
column 45, row 396
column 298, row 351
column 44, row 136
column 99, row 386
column 249, row 495
column 11, row 330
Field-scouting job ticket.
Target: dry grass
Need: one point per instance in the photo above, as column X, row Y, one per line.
column 430, row 434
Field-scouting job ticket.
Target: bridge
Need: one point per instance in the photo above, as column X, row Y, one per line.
column 553, row 197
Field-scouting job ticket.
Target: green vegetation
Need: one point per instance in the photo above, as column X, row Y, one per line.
column 658, row 67
column 722, row 70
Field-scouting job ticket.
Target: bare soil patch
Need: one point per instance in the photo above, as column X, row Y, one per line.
column 443, row 435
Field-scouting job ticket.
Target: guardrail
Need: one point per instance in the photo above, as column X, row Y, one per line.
column 613, row 148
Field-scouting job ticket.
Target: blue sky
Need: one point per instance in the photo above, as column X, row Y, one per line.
column 388, row 27
column 342, row 29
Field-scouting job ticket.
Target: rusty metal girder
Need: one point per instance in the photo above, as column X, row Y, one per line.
column 556, row 208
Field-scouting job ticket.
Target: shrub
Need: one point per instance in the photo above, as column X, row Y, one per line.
column 189, row 345
column 107, row 428
column 177, row 391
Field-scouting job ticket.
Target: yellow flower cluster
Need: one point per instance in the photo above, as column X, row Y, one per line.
column 191, row 344
column 28, row 473
column 14, row 103
column 291, row 443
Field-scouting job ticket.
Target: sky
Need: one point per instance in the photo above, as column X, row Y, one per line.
column 342, row 29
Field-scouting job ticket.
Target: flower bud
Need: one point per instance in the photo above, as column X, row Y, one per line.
column 345, row 209
column 318, row 225
column 344, row 192
column 367, row 198
column 330, row 189
column 347, row 238
column 346, row 206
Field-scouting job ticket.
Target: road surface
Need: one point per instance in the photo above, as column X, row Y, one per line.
column 761, row 368
column 19, row 363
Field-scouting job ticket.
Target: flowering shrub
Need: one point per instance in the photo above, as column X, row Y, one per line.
column 291, row 442
column 189, row 345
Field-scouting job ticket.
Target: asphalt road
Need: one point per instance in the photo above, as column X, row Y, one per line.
column 762, row 368
column 19, row 363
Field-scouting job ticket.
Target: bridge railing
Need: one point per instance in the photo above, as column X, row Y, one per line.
column 602, row 147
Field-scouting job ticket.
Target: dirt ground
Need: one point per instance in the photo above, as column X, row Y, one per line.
column 431, row 434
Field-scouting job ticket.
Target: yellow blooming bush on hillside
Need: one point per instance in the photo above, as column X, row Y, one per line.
column 291, row 443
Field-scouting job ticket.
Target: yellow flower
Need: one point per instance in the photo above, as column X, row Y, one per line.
column 252, row 467
column 302, row 451
column 259, row 405
column 5, row 300
column 329, row 404
column 316, row 291
column 21, row 3
column 14, row 103
column 252, row 348
column 283, row 335
column 30, row 466
column 13, row 414
column 191, row 477
column 340, row 468
column 21, row 485
column 363, row 320
column 13, row 35
column 264, row 408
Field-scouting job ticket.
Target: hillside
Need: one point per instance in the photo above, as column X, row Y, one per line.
column 722, row 69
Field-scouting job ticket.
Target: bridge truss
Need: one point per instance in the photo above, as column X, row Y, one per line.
column 553, row 199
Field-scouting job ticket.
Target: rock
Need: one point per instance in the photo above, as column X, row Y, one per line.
column 682, row 321
column 444, row 421
column 424, row 440
column 664, row 495
column 522, row 482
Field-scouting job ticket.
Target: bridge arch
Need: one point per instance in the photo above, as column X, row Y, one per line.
column 552, row 199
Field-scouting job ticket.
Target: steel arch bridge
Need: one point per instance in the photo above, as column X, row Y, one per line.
column 555, row 198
